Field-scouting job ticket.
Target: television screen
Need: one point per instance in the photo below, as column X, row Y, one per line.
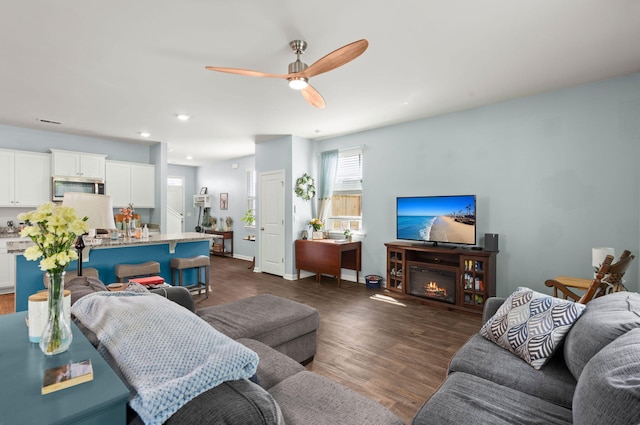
column 450, row 219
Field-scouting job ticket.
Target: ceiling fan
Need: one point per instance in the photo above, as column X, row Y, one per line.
column 299, row 72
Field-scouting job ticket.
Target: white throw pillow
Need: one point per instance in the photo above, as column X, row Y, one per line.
column 532, row 325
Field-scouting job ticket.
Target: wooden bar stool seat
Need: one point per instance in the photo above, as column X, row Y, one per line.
column 124, row 271
column 201, row 263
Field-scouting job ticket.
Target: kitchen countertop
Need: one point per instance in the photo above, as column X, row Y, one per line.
column 20, row 244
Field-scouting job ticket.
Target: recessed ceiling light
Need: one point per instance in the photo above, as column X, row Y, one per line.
column 144, row 134
column 183, row 117
column 189, row 157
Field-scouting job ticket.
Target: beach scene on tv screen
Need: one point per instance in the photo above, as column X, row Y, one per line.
column 437, row 219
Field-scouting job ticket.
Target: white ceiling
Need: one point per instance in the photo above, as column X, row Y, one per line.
column 113, row 68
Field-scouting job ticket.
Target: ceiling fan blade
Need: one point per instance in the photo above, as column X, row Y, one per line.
column 312, row 96
column 339, row 57
column 246, row 72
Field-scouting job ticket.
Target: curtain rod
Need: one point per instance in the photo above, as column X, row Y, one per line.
column 343, row 149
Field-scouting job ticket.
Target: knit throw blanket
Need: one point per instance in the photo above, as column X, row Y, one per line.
column 166, row 354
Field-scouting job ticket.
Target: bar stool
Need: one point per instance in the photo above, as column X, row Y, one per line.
column 200, row 263
column 150, row 268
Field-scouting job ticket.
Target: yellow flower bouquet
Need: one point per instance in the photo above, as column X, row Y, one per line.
column 53, row 229
column 316, row 223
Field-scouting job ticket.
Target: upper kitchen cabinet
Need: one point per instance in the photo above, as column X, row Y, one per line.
column 131, row 183
column 25, row 178
column 78, row 164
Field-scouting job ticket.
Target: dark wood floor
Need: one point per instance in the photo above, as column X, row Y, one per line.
column 393, row 351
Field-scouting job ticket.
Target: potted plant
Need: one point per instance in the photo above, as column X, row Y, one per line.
column 348, row 235
column 249, row 218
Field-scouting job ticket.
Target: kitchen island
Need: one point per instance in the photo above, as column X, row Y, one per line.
column 104, row 254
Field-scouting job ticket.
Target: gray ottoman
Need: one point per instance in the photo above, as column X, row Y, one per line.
column 285, row 325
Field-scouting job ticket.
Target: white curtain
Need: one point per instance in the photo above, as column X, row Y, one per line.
column 328, row 168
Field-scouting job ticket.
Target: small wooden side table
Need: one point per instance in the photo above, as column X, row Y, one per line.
column 100, row 401
column 226, row 235
column 328, row 256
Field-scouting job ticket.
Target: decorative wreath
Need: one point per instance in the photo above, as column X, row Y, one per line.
column 305, row 187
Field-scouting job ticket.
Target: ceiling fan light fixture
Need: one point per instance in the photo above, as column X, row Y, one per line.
column 298, row 83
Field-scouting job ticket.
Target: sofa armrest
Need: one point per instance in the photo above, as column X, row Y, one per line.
column 491, row 305
column 177, row 294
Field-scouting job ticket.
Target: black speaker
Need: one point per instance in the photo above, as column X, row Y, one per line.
column 491, row 242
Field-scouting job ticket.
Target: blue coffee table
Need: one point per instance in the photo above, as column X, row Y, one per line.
column 100, row 401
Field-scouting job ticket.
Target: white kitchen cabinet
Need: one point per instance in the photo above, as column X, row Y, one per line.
column 25, row 178
column 130, row 182
column 78, row 164
column 7, row 269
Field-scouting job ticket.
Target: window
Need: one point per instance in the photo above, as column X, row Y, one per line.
column 251, row 196
column 346, row 199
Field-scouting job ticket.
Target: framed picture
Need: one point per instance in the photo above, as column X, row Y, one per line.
column 224, row 201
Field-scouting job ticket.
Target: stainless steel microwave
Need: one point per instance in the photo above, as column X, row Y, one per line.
column 62, row 184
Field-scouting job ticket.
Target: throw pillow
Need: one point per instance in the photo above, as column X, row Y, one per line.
column 604, row 320
column 608, row 390
column 532, row 325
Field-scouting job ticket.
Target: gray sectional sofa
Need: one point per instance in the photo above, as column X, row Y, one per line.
column 283, row 335
column 593, row 378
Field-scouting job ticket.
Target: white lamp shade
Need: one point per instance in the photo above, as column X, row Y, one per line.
column 598, row 254
column 99, row 209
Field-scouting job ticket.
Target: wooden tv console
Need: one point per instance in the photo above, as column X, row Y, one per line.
column 470, row 272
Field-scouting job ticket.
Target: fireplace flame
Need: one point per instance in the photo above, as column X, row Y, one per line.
column 433, row 290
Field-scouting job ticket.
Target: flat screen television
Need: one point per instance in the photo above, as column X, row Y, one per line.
column 446, row 219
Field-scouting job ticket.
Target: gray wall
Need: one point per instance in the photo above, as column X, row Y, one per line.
column 273, row 155
column 554, row 174
column 18, row 138
column 41, row 141
column 191, row 188
column 230, row 177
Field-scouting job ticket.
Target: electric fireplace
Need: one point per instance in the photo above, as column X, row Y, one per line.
column 433, row 282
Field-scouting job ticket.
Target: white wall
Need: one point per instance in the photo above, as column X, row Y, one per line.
column 554, row 174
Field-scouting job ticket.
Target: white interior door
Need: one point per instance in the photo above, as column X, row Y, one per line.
column 271, row 222
column 175, row 198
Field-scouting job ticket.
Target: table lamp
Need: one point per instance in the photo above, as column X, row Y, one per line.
column 597, row 257
column 99, row 210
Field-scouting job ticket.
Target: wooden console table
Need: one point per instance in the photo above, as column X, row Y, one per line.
column 224, row 235
column 472, row 274
column 328, row 256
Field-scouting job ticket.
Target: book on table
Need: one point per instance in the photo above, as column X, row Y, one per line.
column 66, row 375
column 150, row 280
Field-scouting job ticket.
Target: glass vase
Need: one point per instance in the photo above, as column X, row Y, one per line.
column 56, row 336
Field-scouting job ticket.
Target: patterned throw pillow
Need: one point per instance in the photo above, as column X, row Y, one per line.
column 532, row 325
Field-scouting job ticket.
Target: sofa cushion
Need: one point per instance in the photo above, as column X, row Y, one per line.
column 273, row 366
column 609, row 388
column 272, row 320
column 531, row 325
column 135, row 330
column 466, row 399
column 485, row 359
column 604, row 319
column 307, row 399
column 231, row 403
column 83, row 285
